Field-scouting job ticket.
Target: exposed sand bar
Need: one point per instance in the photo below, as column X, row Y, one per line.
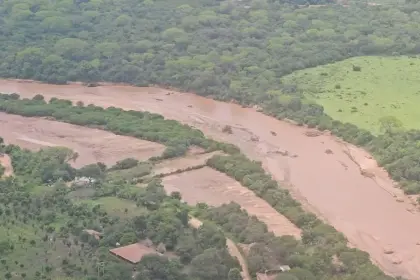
column 92, row 145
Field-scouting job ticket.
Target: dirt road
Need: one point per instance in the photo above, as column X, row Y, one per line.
column 331, row 183
column 232, row 248
column 7, row 164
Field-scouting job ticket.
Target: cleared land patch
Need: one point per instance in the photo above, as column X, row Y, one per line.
column 92, row 145
column 361, row 90
column 215, row 188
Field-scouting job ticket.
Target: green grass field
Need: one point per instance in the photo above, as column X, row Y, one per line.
column 384, row 86
column 118, row 207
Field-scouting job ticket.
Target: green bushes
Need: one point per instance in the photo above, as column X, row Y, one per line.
column 45, row 166
column 125, row 164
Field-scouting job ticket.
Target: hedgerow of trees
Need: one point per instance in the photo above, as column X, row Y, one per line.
column 153, row 127
column 320, row 244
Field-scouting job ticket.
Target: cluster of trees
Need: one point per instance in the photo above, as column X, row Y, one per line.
column 398, row 152
column 230, row 49
column 45, row 166
column 153, row 127
column 48, row 226
column 37, row 229
column 320, row 244
column 166, row 224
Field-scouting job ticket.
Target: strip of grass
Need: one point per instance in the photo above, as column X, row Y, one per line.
column 384, row 86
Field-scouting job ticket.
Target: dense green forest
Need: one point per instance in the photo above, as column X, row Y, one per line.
column 231, row 50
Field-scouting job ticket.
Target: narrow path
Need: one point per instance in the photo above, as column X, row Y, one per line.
column 6, row 162
column 232, row 248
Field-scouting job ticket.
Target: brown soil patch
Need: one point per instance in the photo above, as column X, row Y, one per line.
column 215, row 188
column 191, row 161
column 7, row 164
column 92, row 145
column 335, row 190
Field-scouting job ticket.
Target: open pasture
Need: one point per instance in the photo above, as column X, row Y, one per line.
column 361, row 90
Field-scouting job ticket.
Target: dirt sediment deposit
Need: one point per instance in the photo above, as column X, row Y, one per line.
column 92, row 145
column 215, row 188
column 331, row 184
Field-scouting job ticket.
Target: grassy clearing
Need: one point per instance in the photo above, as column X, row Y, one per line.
column 384, row 86
column 118, row 207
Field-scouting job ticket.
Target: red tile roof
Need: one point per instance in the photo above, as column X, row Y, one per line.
column 133, row 253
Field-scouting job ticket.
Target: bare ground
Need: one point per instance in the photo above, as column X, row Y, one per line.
column 92, row 145
column 215, row 188
column 330, row 184
column 7, row 164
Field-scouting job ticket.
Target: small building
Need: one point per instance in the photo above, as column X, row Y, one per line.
column 272, row 273
column 284, row 268
column 133, row 253
column 83, row 181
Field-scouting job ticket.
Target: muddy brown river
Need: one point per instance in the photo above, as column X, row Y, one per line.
column 321, row 171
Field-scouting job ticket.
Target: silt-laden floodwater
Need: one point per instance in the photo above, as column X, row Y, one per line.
column 328, row 183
